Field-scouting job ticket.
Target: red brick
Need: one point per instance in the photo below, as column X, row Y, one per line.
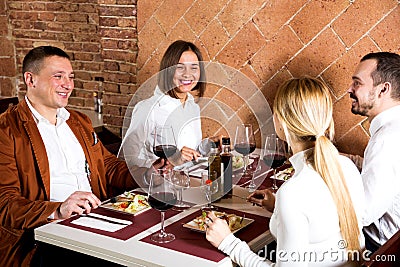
column 117, row 11
column 239, row 50
column 7, row 66
column 312, row 61
column 241, row 11
column 7, row 87
column 2, row 7
column 359, row 18
column 6, row 47
column 386, row 34
column 3, row 25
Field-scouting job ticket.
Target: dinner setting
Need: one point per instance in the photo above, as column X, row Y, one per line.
column 172, row 212
column 199, row 133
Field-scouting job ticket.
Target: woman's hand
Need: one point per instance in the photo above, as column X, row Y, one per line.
column 189, row 154
column 263, row 198
column 217, row 229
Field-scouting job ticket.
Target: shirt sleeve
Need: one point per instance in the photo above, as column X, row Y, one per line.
column 380, row 178
column 240, row 253
column 133, row 148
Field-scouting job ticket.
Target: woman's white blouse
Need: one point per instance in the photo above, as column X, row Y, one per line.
column 160, row 109
column 305, row 221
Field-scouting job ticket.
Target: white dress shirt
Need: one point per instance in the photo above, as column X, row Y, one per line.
column 305, row 220
column 67, row 163
column 160, row 109
column 381, row 176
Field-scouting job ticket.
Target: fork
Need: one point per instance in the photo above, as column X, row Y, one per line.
column 241, row 220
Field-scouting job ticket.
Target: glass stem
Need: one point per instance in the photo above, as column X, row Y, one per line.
column 246, row 162
column 180, row 195
column 208, row 196
column 162, row 232
column 274, row 186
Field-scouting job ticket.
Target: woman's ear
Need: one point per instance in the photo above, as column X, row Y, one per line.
column 280, row 132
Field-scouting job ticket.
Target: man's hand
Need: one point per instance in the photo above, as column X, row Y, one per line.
column 77, row 203
column 263, row 198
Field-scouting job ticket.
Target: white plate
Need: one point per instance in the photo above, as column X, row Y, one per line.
column 123, row 198
column 192, row 225
column 285, row 174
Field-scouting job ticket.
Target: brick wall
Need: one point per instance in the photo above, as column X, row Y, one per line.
column 99, row 35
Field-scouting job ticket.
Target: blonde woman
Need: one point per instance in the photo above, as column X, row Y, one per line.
column 317, row 213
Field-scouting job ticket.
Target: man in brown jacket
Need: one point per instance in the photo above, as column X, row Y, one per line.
column 52, row 164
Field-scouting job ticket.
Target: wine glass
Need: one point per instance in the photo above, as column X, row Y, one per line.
column 209, row 185
column 245, row 143
column 181, row 180
column 274, row 155
column 252, row 169
column 162, row 197
column 164, row 145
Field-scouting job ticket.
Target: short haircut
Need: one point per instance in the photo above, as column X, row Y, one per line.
column 387, row 70
column 34, row 59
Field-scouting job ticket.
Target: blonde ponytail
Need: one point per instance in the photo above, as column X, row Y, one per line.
column 326, row 163
column 304, row 107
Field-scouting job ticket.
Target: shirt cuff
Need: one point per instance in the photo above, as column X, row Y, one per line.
column 228, row 243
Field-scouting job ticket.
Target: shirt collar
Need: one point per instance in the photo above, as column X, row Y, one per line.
column 62, row 114
column 164, row 99
column 383, row 118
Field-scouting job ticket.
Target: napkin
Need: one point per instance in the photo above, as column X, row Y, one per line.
column 198, row 169
column 97, row 223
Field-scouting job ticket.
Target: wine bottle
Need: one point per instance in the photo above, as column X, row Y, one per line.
column 226, row 167
column 214, row 165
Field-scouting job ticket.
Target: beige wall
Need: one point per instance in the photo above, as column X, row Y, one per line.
column 270, row 41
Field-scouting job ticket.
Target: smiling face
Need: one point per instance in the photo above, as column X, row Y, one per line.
column 187, row 73
column 362, row 90
column 50, row 88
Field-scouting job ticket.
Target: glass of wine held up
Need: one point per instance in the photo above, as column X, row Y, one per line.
column 161, row 196
column 274, row 155
column 164, row 141
column 245, row 143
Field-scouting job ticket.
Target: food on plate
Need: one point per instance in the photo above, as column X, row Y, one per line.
column 131, row 203
column 234, row 221
column 285, row 174
column 237, row 162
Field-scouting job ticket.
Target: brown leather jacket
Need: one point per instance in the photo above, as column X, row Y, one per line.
column 25, row 178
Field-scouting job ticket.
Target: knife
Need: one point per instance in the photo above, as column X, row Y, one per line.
column 101, row 218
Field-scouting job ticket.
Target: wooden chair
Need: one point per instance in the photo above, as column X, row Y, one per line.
column 110, row 141
column 387, row 255
column 6, row 102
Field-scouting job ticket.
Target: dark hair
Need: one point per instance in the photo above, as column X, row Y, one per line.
column 34, row 59
column 387, row 70
column 168, row 65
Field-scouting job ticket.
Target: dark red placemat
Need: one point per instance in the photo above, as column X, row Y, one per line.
column 195, row 243
column 140, row 223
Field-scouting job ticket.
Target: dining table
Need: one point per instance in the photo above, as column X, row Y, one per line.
column 130, row 245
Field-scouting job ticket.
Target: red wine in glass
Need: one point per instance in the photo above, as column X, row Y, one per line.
column 245, row 149
column 161, row 196
column 164, row 151
column 162, row 201
column 274, row 160
column 274, row 155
